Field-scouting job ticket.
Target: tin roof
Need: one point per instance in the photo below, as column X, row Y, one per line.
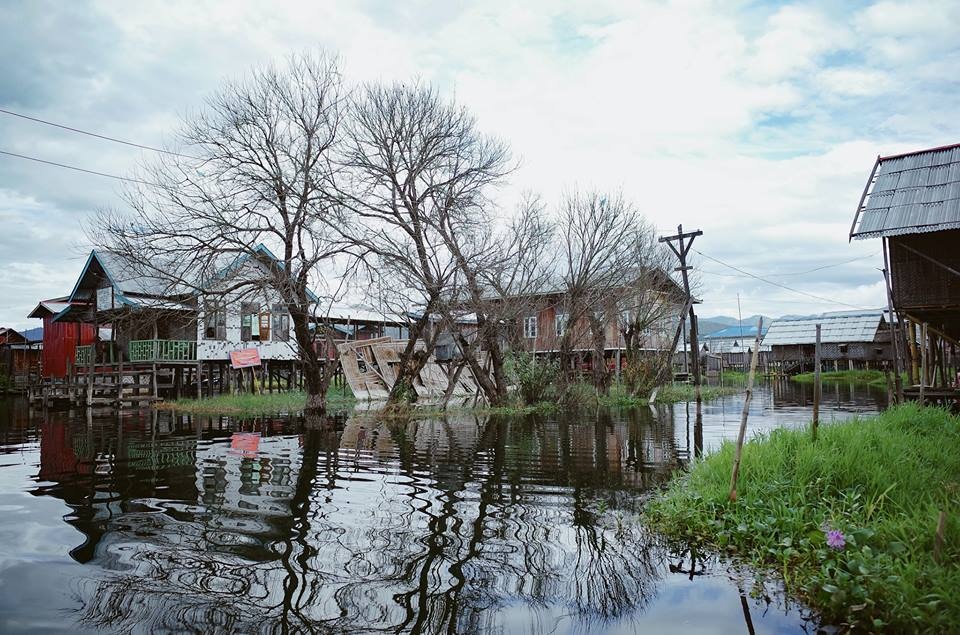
column 911, row 193
column 838, row 327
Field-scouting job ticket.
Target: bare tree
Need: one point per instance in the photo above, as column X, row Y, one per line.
column 647, row 308
column 606, row 250
column 254, row 171
column 500, row 272
column 417, row 165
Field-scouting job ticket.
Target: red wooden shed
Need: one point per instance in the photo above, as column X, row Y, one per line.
column 60, row 339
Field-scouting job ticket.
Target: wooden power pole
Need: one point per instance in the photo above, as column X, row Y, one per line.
column 684, row 243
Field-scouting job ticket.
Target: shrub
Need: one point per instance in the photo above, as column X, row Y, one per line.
column 533, row 378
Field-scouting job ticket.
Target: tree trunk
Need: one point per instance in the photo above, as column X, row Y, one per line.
column 599, row 362
column 316, row 378
column 411, row 362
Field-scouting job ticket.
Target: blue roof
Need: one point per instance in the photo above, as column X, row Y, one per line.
column 735, row 331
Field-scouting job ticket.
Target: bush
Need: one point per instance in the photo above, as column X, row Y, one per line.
column 533, row 378
column 642, row 374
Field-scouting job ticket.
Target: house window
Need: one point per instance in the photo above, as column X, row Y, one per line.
column 530, row 327
column 560, row 322
column 215, row 321
column 254, row 324
column 249, row 321
column 281, row 323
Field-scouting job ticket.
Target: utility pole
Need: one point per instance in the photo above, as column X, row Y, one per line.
column 684, row 243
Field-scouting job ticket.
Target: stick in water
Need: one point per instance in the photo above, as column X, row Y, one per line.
column 746, row 408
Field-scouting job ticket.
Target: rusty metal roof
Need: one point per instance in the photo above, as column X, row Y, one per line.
column 910, row 194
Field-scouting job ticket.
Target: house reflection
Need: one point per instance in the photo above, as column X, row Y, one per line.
column 420, row 526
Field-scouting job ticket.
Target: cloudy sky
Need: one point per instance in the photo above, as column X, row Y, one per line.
column 755, row 122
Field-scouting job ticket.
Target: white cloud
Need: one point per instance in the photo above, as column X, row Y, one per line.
column 756, row 123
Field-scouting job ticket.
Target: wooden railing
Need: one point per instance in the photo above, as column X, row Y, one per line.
column 84, row 355
column 162, row 351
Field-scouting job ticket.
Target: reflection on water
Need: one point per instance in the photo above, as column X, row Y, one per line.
column 151, row 522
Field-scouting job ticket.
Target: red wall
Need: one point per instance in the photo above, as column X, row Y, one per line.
column 60, row 340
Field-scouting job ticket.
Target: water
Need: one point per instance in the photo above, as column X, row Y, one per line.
column 149, row 522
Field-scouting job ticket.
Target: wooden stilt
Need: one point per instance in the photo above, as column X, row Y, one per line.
column 923, row 360
column 816, row 386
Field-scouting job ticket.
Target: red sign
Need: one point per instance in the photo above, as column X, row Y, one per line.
column 245, row 443
column 245, row 358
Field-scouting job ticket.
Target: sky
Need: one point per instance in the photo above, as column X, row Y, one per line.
column 755, row 122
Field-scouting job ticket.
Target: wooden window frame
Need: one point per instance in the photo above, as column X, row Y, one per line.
column 530, row 333
column 215, row 318
column 281, row 324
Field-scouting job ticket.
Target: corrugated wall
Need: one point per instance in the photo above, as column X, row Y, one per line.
column 60, row 340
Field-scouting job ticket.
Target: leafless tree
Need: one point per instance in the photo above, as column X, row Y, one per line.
column 648, row 308
column 610, row 263
column 416, row 166
column 254, row 168
column 500, row 271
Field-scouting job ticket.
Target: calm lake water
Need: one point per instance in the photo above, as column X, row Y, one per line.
column 149, row 522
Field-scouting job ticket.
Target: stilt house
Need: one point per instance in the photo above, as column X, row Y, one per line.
column 912, row 202
column 848, row 340
column 19, row 360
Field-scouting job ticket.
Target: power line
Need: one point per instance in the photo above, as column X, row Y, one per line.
column 94, row 134
column 836, row 264
column 73, row 167
column 792, row 273
column 777, row 284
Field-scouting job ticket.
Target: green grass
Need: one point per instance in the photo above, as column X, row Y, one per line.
column 868, row 377
column 671, row 393
column 881, row 481
column 246, row 404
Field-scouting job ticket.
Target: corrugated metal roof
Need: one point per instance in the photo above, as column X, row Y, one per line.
column 912, row 193
column 839, row 328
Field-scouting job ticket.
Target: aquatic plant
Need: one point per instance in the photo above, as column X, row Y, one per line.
column 881, row 483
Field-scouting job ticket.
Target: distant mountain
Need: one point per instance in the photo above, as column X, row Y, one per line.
column 33, row 335
column 710, row 325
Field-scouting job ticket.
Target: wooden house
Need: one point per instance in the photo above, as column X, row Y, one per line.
column 540, row 331
column 848, row 340
column 19, row 360
column 179, row 337
column 912, row 202
column 731, row 348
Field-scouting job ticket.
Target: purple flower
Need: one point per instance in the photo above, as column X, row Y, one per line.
column 835, row 539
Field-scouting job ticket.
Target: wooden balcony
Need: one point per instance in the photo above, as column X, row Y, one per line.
column 84, row 355
column 144, row 351
column 162, row 351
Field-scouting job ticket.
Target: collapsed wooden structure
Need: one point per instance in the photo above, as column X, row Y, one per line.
column 912, row 202
column 370, row 369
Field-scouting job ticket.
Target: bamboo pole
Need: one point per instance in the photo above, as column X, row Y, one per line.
column 938, row 539
column 923, row 360
column 816, row 386
column 746, row 410
column 912, row 344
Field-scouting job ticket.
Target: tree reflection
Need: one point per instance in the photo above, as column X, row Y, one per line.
column 427, row 526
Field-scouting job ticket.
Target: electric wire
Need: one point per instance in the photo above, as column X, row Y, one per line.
column 94, row 134
column 777, row 284
column 78, row 169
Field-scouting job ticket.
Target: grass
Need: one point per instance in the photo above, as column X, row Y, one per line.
column 671, row 393
column 582, row 394
column 867, row 377
column 880, row 481
column 246, row 404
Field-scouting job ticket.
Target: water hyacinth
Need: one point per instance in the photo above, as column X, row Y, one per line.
column 835, row 539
